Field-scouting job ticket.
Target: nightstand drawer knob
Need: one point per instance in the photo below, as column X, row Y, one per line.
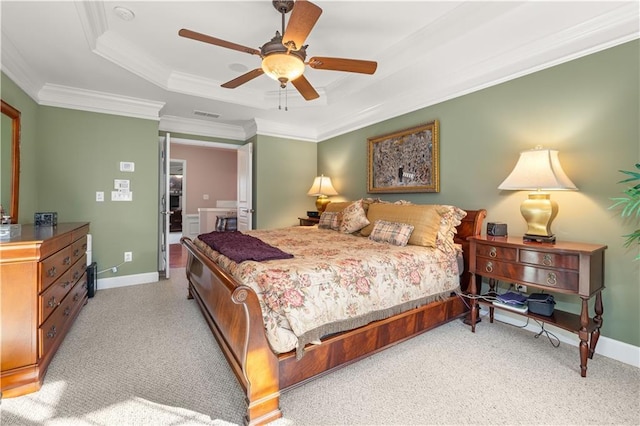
column 489, row 267
column 493, row 252
column 552, row 279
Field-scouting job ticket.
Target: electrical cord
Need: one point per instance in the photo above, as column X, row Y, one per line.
column 553, row 339
column 113, row 269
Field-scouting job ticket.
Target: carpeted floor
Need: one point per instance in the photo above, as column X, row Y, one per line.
column 143, row 355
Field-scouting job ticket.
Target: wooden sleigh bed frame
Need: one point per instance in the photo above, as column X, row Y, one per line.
column 233, row 313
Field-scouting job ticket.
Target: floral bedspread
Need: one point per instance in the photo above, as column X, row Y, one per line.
column 337, row 282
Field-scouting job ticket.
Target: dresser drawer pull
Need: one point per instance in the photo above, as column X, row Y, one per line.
column 552, row 279
column 67, row 311
column 489, row 267
column 76, row 297
column 547, row 260
column 52, row 272
column 76, row 252
column 493, row 252
column 66, row 284
column 66, row 261
column 52, row 332
column 52, row 302
column 76, row 275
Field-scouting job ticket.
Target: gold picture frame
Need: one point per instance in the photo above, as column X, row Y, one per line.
column 405, row 161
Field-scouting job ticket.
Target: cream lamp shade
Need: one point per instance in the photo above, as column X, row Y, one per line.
column 538, row 170
column 321, row 188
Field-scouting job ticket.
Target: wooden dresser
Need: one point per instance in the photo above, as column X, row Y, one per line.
column 44, row 287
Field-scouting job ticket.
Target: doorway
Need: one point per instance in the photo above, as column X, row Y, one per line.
column 182, row 151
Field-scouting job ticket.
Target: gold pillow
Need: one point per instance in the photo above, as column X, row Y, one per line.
column 424, row 218
column 337, row 207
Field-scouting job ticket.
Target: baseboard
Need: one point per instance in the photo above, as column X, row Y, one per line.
column 127, row 280
column 614, row 349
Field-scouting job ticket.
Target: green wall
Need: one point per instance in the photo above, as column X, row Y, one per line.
column 283, row 173
column 588, row 109
column 79, row 153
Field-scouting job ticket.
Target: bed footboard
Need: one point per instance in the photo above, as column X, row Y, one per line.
column 233, row 314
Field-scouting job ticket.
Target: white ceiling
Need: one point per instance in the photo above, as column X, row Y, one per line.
column 81, row 55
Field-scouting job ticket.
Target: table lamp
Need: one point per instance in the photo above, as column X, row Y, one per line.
column 321, row 188
column 538, row 170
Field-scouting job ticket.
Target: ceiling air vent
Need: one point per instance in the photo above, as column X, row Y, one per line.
column 206, row 114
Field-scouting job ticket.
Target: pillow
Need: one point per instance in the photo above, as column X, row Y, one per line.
column 341, row 205
column 391, row 232
column 353, row 218
column 451, row 218
column 330, row 220
column 337, row 207
column 425, row 219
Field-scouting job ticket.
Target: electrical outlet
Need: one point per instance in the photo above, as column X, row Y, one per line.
column 521, row 288
column 128, row 256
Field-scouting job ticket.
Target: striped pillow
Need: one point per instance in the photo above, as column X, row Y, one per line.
column 394, row 233
column 330, row 220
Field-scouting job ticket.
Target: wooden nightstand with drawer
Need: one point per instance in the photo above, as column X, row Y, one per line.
column 309, row 221
column 563, row 267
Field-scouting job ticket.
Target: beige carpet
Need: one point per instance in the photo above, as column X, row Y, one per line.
column 143, row 355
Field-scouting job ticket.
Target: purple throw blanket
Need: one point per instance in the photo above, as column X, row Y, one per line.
column 240, row 247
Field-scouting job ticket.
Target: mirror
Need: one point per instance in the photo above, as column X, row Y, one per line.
column 10, row 161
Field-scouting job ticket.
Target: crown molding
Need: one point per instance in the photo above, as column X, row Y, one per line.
column 105, row 103
column 16, row 68
column 616, row 27
column 280, row 130
column 93, row 19
column 171, row 123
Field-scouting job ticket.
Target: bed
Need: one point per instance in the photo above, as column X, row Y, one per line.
column 239, row 309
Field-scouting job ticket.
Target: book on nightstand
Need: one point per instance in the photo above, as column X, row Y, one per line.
column 523, row 309
column 512, row 298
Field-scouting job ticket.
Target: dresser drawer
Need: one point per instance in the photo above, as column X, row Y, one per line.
column 52, row 297
column 552, row 260
column 53, row 267
column 554, row 279
column 496, row 252
column 79, row 248
column 79, row 268
column 55, row 327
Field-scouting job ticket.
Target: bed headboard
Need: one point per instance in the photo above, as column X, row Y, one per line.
column 471, row 226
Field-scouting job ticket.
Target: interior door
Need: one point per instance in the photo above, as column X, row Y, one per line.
column 164, row 207
column 245, row 188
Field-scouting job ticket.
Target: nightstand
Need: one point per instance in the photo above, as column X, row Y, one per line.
column 308, row 221
column 563, row 267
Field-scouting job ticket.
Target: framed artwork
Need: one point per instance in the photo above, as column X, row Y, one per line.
column 405, row 161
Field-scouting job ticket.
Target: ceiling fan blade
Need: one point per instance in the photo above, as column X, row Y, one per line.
column 305, row 88
column 217, row 42
column 303, row 17
column 243, row 78
column 340, row 64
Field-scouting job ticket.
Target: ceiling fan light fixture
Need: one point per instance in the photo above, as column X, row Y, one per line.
column 283, row 67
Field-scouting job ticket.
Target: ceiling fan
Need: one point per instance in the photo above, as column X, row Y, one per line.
column 283, row 58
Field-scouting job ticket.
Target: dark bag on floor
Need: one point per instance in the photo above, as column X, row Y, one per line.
column 541, row 304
